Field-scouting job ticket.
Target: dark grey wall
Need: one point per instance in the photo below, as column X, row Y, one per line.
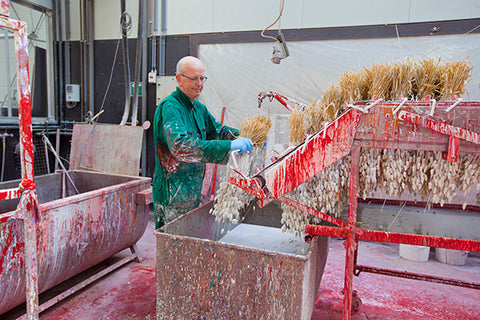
column 176, row 48
column 104, row 53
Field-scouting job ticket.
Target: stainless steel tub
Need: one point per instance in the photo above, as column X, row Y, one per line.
column 75, row 231
column 199, row 277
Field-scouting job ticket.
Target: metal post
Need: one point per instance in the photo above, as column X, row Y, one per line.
column 83, row 57
column 47, row 162
column 145, row 91
column 138, row 57
column 28, row 200
column 7, row 60
column 163, row 32
column 90, row 43
column 350, row 242
column 154, row 34
column 50, row 63
column 27, row 205
column 57, row 148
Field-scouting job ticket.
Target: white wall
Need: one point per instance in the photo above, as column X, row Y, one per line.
column 107, row 18
column 203, row 16
column 75, row 20
column 195, row 16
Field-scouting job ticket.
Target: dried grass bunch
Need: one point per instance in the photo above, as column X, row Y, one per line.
column 413, row 80
column 428, row 79
column 456, row 75
column 423, row 173
column 380, row 78
column 354, row 86
column 256, row 129
column 295, row 123
column 403, row 79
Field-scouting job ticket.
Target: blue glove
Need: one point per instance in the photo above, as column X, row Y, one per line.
column 241, row 145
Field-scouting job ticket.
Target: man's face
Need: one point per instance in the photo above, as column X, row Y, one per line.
column 192, row 88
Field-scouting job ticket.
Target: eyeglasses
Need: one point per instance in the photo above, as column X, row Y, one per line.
column 195, row 79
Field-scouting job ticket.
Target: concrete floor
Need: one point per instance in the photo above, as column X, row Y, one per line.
column 129, row 292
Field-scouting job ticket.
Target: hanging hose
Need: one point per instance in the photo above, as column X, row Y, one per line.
column 282, row 2
column 138, row 58
column 126, row 25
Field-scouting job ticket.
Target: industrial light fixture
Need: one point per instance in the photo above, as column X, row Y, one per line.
column 280, row 50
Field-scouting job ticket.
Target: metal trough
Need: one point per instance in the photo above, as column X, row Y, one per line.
column 48, row 238
column 200, row 276
column 74, row 232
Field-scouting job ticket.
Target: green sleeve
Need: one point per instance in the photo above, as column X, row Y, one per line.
column 185, row 145
column 219, row 131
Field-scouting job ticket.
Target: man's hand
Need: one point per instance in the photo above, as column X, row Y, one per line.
column 241, row 145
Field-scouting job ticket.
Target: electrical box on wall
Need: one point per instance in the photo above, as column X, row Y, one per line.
column 72, row 92
column 165, row 86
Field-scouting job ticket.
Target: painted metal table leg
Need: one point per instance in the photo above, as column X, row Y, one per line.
column 27, row 205
column 134, row 251
column 350, row 242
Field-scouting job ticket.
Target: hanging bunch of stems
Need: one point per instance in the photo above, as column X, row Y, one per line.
column 456, row 75
column 428, row 79
column 256, row 129
column 295, row 124
column 331, row 102
column 413, row 80
column 379, row 78
column 403, row 79
column 354, row 86
column 313, row 118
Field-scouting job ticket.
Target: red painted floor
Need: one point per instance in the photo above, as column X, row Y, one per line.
column 394, row 298
column 129, row 293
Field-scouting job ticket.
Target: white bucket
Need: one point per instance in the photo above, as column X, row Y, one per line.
column 413, row 252
column 451, row 257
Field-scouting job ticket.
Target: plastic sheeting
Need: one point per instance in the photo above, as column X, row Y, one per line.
column 238, row 72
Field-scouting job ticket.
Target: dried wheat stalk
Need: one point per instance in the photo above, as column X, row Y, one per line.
column 256, row 129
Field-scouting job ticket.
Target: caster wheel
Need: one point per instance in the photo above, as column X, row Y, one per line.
column 356, row 302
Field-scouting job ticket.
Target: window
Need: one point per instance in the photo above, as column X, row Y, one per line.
column 39, row 30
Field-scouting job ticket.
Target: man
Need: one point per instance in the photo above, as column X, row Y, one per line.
column 187, row 136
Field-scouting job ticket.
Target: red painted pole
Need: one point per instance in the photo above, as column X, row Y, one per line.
column 416, row 276
column 453, row 144
column 395, row 237
column 439, row 126
column 350, row 242
column 28, row 205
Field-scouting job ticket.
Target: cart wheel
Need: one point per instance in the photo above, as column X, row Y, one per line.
column 356, row 301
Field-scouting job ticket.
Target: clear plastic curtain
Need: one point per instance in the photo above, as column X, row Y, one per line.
column 238, row 72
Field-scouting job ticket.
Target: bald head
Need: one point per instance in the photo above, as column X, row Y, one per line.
column 188, row 62
column 189, row 72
